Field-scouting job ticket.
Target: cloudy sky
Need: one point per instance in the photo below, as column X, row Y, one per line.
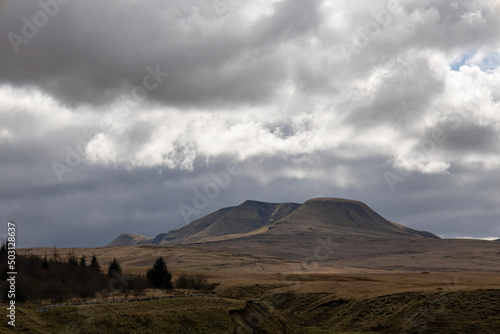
column 138, row 116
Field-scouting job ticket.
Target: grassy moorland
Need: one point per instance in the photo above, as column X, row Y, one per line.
column 476, row 311
column 255, row 293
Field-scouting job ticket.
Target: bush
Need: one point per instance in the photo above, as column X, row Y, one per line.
column 194, row 282
column 183, row 282
column 139, row 283
column 159, row 275
column 199, row 282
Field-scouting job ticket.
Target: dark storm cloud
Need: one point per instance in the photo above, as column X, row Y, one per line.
column 262, row 84
column 93, row 51
column 471, row 138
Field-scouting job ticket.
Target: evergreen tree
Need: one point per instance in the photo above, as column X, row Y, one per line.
column 45, row 262
column 83, row 262
column 159, row 275
column 94, row 264
column 114, row 268
column 72, row 259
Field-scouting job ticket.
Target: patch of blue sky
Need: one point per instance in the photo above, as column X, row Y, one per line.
column 486, row 64
column 463, row 60
column 490, row 63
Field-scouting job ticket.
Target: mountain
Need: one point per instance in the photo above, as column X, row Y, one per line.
column 342, row 216
column 253, row 219
column 129, row 240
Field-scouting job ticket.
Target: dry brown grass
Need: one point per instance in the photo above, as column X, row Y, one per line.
column 386, row 288
column 243, row 269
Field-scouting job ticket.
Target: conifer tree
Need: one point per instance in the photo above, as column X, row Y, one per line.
column 114, row 268
column 159, row 275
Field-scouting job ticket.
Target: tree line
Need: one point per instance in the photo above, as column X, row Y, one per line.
column 58, row 278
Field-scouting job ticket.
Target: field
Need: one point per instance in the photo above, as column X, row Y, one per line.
column 257, row 293
column 418, row 303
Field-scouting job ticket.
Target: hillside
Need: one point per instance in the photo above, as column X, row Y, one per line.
column 343, row 216
column 126, row 239
column 274, row 308
column 256, row 219
column 248, row 218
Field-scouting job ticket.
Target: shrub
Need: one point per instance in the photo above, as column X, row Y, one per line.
column 182, row 282
column 199, row 282
column 195, row 282
column 139, row 283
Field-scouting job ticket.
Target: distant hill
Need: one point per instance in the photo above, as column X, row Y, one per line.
column 253, row 219
column 248, row 218
column 130, row 240
column 343, row 216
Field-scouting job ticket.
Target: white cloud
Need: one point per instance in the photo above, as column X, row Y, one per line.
column 267, row 85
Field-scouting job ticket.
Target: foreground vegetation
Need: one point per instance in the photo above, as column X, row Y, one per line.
column 57, row 279
column 148, row 304
column 53, row 278
column 475, row 311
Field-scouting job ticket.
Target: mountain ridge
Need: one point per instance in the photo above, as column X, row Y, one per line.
column 254, row 218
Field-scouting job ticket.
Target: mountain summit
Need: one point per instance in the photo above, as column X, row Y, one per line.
column 255, row 219
column 343, row 216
